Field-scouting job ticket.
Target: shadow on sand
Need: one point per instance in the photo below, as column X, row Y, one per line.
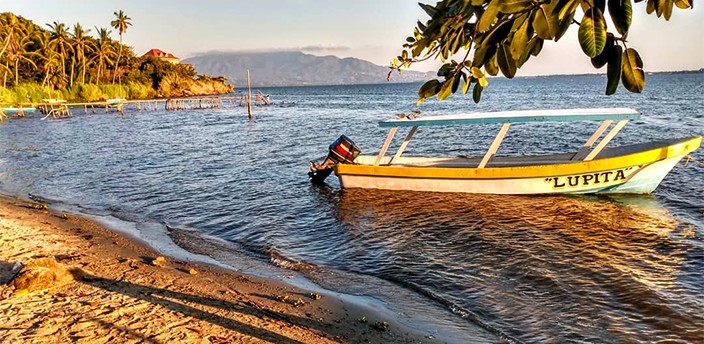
column 186, row 304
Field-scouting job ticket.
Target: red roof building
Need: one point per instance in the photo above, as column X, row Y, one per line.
column 162, row 55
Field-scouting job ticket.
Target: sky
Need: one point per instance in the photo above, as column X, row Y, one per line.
column 372, row 30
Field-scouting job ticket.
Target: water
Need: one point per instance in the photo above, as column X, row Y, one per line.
column 469, row 267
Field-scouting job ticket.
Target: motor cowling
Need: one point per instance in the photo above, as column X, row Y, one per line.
column 341, row 151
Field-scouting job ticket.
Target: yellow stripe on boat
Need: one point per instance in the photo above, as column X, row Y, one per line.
column 577, row 167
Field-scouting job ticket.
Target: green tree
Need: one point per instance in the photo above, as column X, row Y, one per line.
column 121, row 22
column 103, row 51
column 501, row 35
column 61, row 43
column 14, row 33
column 81, row 43
column 51, row 60
column 9, row 33
column 29, row 52
column 20, row 54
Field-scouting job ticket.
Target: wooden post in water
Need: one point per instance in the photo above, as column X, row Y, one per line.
column 249, row 97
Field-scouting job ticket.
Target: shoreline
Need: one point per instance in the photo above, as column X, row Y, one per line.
column 128, row 296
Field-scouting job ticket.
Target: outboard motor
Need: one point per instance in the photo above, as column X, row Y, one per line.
column 341, row 151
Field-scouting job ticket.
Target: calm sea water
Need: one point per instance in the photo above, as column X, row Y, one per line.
column 468, row 267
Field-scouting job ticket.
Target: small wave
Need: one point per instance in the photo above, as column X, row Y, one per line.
column 40, row 199
column 290, row 264
column 465, row 313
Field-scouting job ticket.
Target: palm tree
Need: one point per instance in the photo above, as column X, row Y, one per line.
column 52, row 59
column 103, row 50
column 21, row 54
column 11, row 44
column 80, row 43
column 121, row 23
column 6, row 69
column 10, row 33
column 60, row 42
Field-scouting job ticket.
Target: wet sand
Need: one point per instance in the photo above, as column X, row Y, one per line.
column 126, row 296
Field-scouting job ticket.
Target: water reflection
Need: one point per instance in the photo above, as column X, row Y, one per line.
column 516, row 262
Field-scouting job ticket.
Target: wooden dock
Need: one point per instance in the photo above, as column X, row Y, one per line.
column 57, row 109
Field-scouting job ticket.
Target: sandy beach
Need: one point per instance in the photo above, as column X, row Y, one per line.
column 118, row 290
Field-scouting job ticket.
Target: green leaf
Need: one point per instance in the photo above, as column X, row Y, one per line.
column 518, row 21
column 499, row 33
column 456, row 82
column 492, row 66
column 483, row 81
column 445, row 69
column 600, row 4
column 456, row 42
column 488, row 17
column 683, row 4
column 659, row 7
column 515, row 6
column 429, row 89
column 621, row 12
column 430, row 10
column 564, row 25
column 446, row 89
column 483, row 53
column 465, row 87
column 477, row 2
column 419, row 46
column 545, row 23
column 667, row 8
column 506, row 63
column 477, row 74
column 632, row 75
column 537, row 47
column 534, row 45
column 592, row 32
column 520, row 40
column 477, row 93
column 566, row 9
column 601, row 59
column 613, row 69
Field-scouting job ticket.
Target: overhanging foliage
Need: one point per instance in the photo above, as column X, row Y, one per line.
column 501, row 35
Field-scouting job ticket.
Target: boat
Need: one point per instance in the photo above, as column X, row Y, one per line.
column 18, row 110
column 592, row 168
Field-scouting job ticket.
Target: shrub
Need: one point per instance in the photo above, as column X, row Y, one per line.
column 140, row 91
column 25, row 92
column 86, row 92
column 114, row 91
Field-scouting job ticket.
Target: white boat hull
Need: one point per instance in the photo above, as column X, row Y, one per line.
column 641, row 179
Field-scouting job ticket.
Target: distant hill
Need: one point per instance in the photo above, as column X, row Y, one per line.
column 296, row 69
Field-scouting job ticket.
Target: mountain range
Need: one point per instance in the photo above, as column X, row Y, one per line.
column 292, row 68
